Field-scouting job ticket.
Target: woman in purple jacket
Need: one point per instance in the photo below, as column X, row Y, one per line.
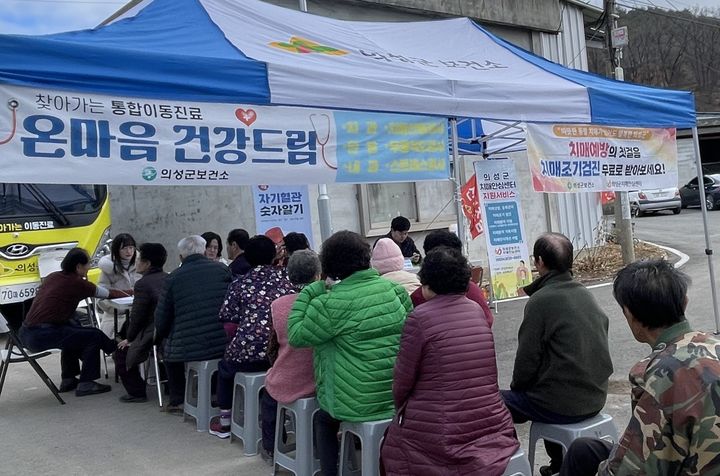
column 450, row 417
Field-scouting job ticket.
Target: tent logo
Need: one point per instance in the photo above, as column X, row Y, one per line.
column 302, row 46
column 149, row 174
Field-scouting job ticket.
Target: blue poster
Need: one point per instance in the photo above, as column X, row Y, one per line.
column 283, row 206
column 390, row 147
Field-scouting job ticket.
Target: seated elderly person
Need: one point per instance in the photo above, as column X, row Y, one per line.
column 447, row 238
column 353, row 322
column 186, row 315
column 674, row 425
column 50, row 324
column 451, row 418
column 247, row 304
column 388, row 260
column 134, row 349
column 291, row 375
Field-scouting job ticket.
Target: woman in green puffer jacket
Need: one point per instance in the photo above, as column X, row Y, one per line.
column 353, row 321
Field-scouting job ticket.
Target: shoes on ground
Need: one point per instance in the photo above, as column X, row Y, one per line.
column 548, row 471
column 217, row 429
column 177, row 409
column 92, row 389
column 267, row 456
column 68, row 385
column 132, row 399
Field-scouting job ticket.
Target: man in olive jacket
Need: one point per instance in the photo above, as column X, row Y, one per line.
column 562, row 363
column 187, row 314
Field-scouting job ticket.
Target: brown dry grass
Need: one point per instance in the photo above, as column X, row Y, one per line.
column 600, row 264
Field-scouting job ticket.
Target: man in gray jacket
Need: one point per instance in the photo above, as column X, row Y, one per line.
column 562, row 363
column 187, row 314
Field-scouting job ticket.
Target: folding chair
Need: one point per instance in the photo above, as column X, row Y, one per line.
column 94, row 322
column 14, row 352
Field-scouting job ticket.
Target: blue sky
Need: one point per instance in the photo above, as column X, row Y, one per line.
column 36, row 17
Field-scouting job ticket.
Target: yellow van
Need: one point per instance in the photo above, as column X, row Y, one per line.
column 38, row 221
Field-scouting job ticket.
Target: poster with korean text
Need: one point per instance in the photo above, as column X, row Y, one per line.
column 49, row 136
column 284, row 206
column 507, row 248
column 590, row 158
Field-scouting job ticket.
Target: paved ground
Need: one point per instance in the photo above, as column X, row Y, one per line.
column 98, row 435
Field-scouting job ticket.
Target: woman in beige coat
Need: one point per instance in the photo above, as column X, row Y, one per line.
column 388, row 260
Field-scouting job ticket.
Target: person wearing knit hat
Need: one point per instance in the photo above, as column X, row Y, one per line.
column 388, row 260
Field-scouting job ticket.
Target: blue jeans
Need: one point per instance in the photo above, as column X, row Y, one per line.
column 523, row 409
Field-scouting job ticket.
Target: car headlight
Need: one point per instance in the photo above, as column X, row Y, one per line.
column 102, row 249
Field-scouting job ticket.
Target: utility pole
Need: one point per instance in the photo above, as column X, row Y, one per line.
column 623, row 221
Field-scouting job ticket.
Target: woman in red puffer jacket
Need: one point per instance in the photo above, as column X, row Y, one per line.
column 450, row 417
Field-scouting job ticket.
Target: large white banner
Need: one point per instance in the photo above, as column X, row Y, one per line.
column 62, row 137
column 589, row 158
column 507, row 247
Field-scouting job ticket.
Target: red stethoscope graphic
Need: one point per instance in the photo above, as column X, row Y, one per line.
column 322, row 120
column 13, row 105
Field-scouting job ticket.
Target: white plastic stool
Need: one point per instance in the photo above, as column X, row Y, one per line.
column 303, row 462
column 198, row 392
column 518, row 465
column 371, row 434
column 600, row 427
column 245, row 423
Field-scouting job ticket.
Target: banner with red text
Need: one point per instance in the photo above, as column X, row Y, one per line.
column 589, row 158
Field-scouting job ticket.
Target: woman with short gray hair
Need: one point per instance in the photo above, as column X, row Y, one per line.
column 291, row 376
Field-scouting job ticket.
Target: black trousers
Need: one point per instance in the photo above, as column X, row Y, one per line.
column 226, row 378
column 268, row 417
column 130, row 377
column 78, row 344
column 176, row 382
column 328, row 446
column 584, row 456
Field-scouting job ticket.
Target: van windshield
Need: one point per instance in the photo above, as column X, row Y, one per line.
column 54, row 200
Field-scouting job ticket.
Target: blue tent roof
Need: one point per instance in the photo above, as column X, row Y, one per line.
column 169, row 50
column 200, row 50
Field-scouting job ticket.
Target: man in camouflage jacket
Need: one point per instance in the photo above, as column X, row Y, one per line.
column 675, row 423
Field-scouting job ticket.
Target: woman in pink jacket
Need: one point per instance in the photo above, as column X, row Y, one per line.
column 292, row 374
column 450, row 417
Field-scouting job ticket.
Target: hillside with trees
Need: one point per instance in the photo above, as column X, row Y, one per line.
column 670, row 49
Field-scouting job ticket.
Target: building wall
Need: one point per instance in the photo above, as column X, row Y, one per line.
column 577, row 215
column 166, row 214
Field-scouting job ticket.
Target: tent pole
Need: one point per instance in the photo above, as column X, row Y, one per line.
column 457, row 175
column 708, row 246
column 323, row 201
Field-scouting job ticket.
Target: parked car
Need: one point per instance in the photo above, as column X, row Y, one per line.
column 690, row 193
column 646, row 201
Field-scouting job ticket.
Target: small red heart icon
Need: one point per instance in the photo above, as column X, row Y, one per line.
column 247, row 117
